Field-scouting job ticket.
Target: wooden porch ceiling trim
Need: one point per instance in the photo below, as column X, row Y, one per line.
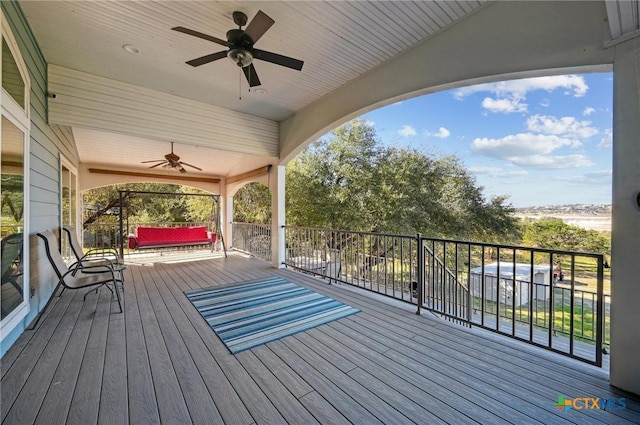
column 153, row 176
column 253, row 173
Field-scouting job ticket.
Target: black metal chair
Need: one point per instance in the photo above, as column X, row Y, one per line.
column 78, row 278
column 11, row 253
column 96, row 256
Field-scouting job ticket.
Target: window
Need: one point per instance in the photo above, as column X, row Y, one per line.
column 68, row 204
column 14, row 184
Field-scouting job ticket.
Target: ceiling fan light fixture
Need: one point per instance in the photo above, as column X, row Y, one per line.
column 240, row 57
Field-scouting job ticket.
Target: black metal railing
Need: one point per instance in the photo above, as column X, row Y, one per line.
column 550, row 298
column 254, row 239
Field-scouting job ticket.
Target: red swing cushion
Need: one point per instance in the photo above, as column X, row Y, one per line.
column 171, row 236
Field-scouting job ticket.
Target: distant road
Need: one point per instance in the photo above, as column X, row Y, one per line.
column 594, row 222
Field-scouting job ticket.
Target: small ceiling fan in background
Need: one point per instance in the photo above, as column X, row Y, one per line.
column 240, row 43
column 171, row 160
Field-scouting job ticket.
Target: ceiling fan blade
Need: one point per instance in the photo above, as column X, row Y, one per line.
column 201, row 35
column 208, row 58
column 181, row 169
column 258, row 26
column 252, row 76
column 192, row 166
column 159, row 164
column 155, row 160
column 278, row 59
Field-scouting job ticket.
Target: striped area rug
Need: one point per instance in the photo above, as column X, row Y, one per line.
column 248, row 314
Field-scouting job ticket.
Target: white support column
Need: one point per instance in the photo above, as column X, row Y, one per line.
column 278, row 215
column 226, row 214
column 227, row 219
column 625, row 267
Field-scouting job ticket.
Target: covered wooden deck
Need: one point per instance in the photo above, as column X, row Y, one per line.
column 160, row 363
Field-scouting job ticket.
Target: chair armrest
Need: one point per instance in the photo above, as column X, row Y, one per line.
column 101, row 251
column 89, row 269
column 99, row 254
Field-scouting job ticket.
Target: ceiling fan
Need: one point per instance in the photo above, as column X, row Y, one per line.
column 240, row 43
column 171, row 160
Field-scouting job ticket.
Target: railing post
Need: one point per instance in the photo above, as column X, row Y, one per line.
column 120, row 222
column 470, row 299
column 420, row 272
column 600, row 308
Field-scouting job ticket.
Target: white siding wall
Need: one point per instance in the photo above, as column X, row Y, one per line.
column 46, row 145
column 86, row 100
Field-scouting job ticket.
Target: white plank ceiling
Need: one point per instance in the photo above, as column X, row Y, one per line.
column 337, row 40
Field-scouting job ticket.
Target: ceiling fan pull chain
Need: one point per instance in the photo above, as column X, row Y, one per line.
column 239, row 83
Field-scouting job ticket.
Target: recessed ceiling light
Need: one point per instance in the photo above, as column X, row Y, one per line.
column 260, row 90
column 131, row 49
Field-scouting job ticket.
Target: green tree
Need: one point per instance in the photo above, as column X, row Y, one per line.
column 350, row 181
column 553, row 233
column 252, row 204
column 102, row 204
column 333, row 183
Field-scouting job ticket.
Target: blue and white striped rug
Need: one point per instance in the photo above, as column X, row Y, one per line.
column 248, row 314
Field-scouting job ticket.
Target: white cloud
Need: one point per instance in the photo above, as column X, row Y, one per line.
column 532, row 150
column 607, row 140
column 565, row 126
column 504, row 105
column 521, row 144
column 553, row 162
column 370, row 123
column 407, row 131
column 545, row 103
column 588, row 111
column 442, row 133
column 497, row 172
column 595, row 177
column 573, row 85
column 510, row 96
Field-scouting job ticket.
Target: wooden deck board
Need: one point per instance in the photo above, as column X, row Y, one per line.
column 57, row 401
column 331, row 392
column 200, row 405
column 31, row 395
column 159, row 363
column 372, row 378
column 291, row 380
column 483, row 373
column 16, row 350
column 286, row 403
column 114, row 394
column 258, row 404
column 390, row 374
column 358, row 392
column 172, row 406
column 22, row 365
column 227, row 402
column 142, row 401
column 322, row 410
column 86, row 394
column 455, row 371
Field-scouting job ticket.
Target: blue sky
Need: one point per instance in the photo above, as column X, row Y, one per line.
column 541, row 141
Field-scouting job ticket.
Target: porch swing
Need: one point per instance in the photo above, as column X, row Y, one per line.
column 160, row 237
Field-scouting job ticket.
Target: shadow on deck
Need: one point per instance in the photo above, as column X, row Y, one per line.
column 159, row 362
